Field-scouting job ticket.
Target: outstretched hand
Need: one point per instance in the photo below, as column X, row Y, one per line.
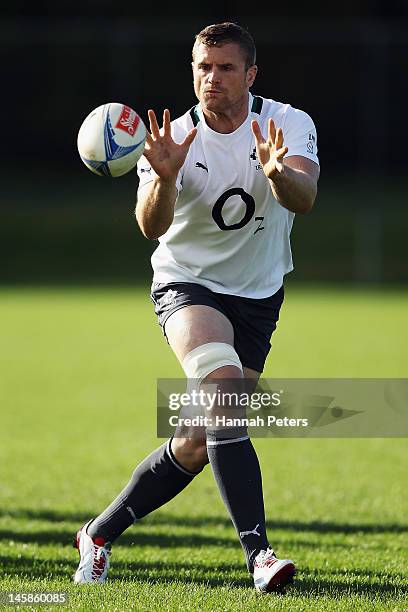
column 165, row 156
column 270, row 151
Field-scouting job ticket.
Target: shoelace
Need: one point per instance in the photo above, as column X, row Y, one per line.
column 266, row 557
column 101, row 554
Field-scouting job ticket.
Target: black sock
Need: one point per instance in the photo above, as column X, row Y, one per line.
column 236, row 470
column 155, row 481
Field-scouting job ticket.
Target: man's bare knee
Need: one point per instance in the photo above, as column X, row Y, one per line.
column 191, row 453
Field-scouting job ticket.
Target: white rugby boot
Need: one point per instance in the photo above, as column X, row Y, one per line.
column 94, row 558
column 272, row 574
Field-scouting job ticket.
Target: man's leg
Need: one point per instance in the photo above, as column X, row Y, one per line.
column 232, row 457
column 155, row 481
column 159, row 478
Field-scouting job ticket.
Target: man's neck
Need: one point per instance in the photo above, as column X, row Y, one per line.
column 229, row 120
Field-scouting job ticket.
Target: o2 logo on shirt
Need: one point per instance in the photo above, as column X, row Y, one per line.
column 249, row 210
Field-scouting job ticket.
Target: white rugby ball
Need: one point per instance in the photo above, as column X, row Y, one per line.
column 111, row 139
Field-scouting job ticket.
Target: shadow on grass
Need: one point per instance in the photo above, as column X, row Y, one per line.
column 139, row 537
column 132, row 538
column 169, row 520
column 333, row 584
column 352, row 582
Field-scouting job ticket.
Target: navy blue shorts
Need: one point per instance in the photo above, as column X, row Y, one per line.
column 253, row 320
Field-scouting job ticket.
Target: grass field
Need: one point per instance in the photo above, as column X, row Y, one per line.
column 78, row 375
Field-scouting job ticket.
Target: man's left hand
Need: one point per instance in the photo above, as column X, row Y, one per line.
column 270, row 151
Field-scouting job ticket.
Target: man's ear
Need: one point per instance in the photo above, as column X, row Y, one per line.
column 251, row 74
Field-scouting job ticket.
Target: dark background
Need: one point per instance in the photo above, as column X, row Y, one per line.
column 61, row 224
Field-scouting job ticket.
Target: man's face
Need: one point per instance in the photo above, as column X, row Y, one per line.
column 220, row 77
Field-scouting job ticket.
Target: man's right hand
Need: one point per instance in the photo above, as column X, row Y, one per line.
column 164, row 155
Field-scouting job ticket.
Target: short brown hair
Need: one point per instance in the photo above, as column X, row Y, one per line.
column 220, row 33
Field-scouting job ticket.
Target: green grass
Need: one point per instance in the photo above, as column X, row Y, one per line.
column 78, row 372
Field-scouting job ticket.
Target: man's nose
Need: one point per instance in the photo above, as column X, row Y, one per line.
column 214, row 76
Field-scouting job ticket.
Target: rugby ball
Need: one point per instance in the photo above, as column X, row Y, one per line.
column 111, row 139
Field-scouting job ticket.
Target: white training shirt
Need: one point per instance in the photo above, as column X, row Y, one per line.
column 228, row 232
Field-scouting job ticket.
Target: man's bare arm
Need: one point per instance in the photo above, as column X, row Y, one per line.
column 294, row 179
column 155, row 207
column 295, row 188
